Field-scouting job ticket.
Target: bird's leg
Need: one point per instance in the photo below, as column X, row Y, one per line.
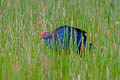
column 81, row 49
column 80, row 54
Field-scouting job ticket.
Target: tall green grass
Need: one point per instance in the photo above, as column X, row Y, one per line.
column 24, row 56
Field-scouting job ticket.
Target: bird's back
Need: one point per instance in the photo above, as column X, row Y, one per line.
column 66, row 27
column 64, row 33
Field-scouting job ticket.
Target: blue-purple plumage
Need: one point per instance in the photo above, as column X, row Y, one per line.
column 65, row 35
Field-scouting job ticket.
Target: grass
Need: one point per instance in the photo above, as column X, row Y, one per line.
column 24, row 57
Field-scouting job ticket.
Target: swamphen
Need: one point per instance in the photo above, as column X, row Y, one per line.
column 63, row 36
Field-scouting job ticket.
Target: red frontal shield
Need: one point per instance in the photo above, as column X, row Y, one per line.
column 42, row 35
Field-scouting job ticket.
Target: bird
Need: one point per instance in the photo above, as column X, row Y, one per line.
column 65, row 36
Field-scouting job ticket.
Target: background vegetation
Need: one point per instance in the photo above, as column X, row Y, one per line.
column 24, row 56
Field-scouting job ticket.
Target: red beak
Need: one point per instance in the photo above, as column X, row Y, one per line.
column 42, row 35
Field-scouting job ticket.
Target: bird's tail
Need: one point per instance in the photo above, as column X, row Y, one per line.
column 90, row 46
